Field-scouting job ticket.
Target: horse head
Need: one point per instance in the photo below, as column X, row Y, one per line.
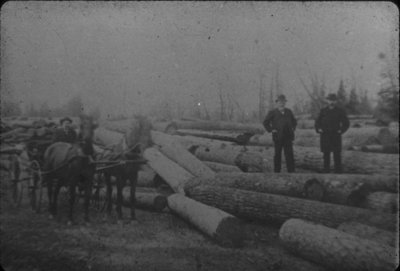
column 86, row 131
column 138, row 136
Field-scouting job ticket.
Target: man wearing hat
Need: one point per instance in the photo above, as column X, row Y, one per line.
column 281, row 122
column 65, row 133
column 331, row 123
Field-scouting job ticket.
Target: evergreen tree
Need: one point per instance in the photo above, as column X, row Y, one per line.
column 74, row 107
column 341, row 94
column 365, row 105
column 353, row 103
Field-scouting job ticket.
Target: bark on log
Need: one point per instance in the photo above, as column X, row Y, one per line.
column 281, row 184
column 226, row 229
column 335, row 249
column 371, row 233
column 276, row 209
column 171, row 172
column 388, row 136
column 209, row 135
column 220, row 125
column 146, row 178
column 346, row 189
column 382, row 202
column 168, row 127
column 353, row 161
column 218, row 167
column 245, row 160
column 176, row 152
column 391, row 149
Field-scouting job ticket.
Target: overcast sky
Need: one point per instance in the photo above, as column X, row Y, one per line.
column 127, row 56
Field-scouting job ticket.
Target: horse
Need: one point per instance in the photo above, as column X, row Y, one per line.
column 136, row 139
column 70, row 164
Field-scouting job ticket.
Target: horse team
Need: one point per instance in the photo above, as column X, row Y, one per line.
column 73, row 165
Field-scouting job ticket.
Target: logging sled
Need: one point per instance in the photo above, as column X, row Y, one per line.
column 219, row 183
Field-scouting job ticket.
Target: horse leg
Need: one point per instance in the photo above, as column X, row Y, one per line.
column 133, row 181
column 55, row 197
column 88, row 192
column 107, row 178
column 120, row 186
column 49, row 183
column 72, row 192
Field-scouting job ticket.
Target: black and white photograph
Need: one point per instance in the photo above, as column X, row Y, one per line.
column 199, row 135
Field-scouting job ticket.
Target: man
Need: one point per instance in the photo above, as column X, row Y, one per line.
column 282, row 124
column 331, row 123
column 66, row 133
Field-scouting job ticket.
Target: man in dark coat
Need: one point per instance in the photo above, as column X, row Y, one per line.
column 331, row 123
column 65, row 133
column 281, row 122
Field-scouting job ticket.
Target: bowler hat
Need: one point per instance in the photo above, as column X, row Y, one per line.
column 65, row 119
column 281, row 98
column 331, row 97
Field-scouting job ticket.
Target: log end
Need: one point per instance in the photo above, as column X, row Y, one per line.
column 314, row 190
column 159, row 203
column 230, row 233
column 358, row 195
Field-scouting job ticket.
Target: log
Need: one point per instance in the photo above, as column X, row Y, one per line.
column 168, row 127
column 245, row 160
column 146, row 178
column 353, row 161
column 388, row 136
column 227, row 230
column 276, row 208
column 281, row 184
column 171, row 172
column 209, row 134
column 371, row 233
column 107, row 138
column 335, row 249
column 218, row 167
column 391, row 149
column 177, row 153
column 255, row 128
column 340, row 189
column 382, row 202
column 13, row 132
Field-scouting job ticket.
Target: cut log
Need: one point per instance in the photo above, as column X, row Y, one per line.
column 245, row 160
column 388, row 136
column 208, row 134
column 176, row 152
column 276, row 209
column 335, row 249
column 226, row 229
column 171, row 172
column 218, row 167
column 220, row 125
column 168, row 127
column 281, row 184
column 340, row 189
column 371, row 233
column 107, row 138
column 13, row 132
column 146, row 178
column 353, row 161
column 382, row 202
column 381, row 148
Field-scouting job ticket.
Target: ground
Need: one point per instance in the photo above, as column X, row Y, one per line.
column 158, row 241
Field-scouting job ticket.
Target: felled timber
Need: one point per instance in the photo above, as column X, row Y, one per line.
column 382, row 202
column 256, row 128
column 176, row 152
column 335, row 249
column 146, row 178
column 353, row 161
column 276, row 209
column 171, row 172
column 281, row 184
column 226, row 229
column 245, row 160
column 371, row 233
column 168, row 127
column 107, row 138
column 218, row 167
column 392, row 149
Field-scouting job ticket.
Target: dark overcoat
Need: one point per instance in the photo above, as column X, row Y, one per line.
column 333, row 123
column 62, row 135
column 283, row 122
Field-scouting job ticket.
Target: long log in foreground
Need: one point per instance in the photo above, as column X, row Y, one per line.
column 226, row 229
column 335, row 249
column 276, row 209
column 353, row 161
column 266, row 183
column 341, row 189
column 176, row 152
column 382, row 202
column 218, row 167
column 371, row 233
column 171, row 172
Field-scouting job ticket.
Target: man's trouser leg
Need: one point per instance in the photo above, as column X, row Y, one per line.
column 337, row 158
column 327, row 161
column 278, row 156
column 289, row 157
